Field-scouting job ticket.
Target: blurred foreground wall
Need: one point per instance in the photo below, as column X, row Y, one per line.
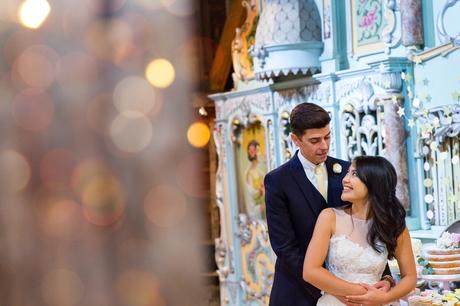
column 98, row 185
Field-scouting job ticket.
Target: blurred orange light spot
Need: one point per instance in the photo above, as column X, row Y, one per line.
column 198, row 134
column 62, row 219
column 103, row 201
column 84, row 172
column 138, row 288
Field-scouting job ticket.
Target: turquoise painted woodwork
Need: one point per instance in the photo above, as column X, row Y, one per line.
column 384, row 98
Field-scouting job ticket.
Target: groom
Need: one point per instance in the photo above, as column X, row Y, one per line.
column 296, row 192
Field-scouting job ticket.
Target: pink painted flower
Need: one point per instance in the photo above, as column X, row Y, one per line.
column 369, row 19
column 455, row 238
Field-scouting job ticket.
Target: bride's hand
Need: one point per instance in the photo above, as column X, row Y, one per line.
column 382, row 285
column 345, row 302
column 357, row 291
column 373, row 296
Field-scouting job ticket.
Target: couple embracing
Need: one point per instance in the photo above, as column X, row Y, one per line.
column 333, row 225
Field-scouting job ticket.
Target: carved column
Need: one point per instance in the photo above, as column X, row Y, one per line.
column 411, row 23
column 395, row 134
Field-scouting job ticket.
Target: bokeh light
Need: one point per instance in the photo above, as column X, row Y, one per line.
column 85, row 172
column 6, row 95
column 62, row 287
column 86, row 136
column 62, row 219
column 188, row 178
column 121, row 40
column 138, row 288
column 178, row 7
column 131, row 132
column 14, row 166
column 97, row 109
column 160, row 73
column 165, row 205
column 198, row 134
column 115, row 5
column 33, row 109
column 32, row 13
column 187, row 52
column 8, row 11
column 103, row 200
column 76, row 13
column 37, row 66
column 135, row 95
column 110, row 40
column 84, row 70
column 134, row 250
column 143, row 34
column 57, row 165
column 148, row 4
column 17, row 42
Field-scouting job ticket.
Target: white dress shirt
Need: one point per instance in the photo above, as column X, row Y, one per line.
column 309, row 169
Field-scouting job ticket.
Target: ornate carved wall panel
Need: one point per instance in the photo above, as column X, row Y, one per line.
column 440, row 148
column 361, row 119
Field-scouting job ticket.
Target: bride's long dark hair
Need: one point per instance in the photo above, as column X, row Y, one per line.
column 386, row 213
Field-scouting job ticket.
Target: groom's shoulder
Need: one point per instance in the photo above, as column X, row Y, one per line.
column 280, row 171
column 340, row 161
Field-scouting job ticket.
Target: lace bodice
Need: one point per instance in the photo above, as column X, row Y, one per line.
column 350, row 257
column 354, row 263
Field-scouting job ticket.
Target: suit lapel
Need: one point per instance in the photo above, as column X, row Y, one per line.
column 334, row 185
column 314, row 199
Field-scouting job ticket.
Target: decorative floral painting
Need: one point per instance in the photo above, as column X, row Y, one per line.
column 368, row 22
column 257, row 263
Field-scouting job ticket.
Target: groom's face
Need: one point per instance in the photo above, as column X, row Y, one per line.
column 314, row 144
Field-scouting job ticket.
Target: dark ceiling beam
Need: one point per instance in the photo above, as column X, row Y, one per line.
column 223, row 59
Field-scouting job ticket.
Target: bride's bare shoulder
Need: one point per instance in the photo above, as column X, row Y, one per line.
column 327, row 214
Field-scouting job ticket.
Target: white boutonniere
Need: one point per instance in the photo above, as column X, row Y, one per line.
column 337, row 168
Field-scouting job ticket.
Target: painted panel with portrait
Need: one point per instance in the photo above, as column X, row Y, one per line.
column 251, row 167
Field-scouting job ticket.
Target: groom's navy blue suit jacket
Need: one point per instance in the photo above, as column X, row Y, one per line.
column 293, row 205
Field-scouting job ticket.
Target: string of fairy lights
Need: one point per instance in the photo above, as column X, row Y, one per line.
column 426, row 120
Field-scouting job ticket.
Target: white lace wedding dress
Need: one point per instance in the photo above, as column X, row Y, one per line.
column 350, row 257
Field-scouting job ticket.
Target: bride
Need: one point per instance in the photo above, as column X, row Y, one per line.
column 360, row 239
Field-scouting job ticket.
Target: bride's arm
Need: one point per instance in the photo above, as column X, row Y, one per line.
column 313, row 270
column 406, row 263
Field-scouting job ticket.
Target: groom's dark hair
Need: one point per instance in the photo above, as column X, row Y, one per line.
column 308, row 116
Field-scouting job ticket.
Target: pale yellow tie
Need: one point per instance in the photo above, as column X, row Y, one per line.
column 321, row 180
